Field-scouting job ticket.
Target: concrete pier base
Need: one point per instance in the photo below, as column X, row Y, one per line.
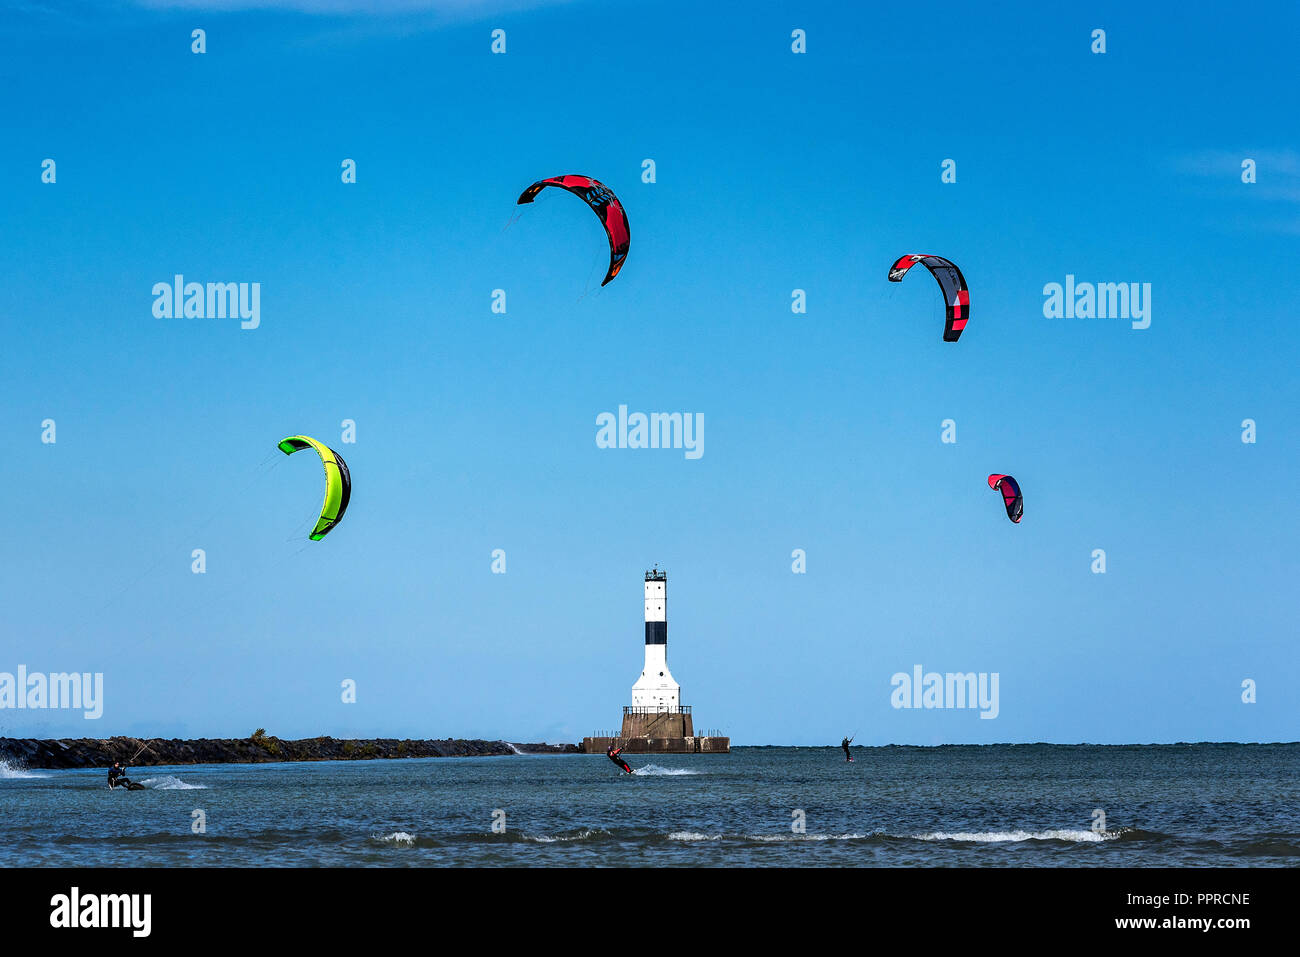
column 657, row 724
column 658, row 731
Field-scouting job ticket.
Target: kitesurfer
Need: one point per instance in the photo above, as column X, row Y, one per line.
column 613, row 754
column 117, row 776
column 845, row 745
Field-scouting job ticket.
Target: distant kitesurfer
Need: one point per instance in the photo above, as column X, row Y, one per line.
column 845, row 745
column 613, row 754
column 117, row 776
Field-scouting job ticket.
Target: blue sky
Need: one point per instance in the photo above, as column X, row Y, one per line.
column 775, row 171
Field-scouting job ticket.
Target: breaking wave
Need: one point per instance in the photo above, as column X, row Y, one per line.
column 582, row 835
column 776, row 838
column 408, row 839
column 1002, row 837
column 692, row 836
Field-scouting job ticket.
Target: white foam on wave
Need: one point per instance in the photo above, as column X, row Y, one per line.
column 1002, row 837
column 806, row 837
column 554, row 838
column 15, row 771
column 400, row 838
column 765, row 838
column 653, row 770
column 169, row 782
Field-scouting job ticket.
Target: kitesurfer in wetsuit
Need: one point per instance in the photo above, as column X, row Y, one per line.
column 845, row 745
column 613, row 754
column 117, row 776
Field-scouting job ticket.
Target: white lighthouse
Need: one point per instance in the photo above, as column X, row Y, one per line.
column 656, row 690
column 656, row 722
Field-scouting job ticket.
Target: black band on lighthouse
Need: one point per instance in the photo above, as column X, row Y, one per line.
column 656, row 632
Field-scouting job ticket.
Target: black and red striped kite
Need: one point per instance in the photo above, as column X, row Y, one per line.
column 955, row 294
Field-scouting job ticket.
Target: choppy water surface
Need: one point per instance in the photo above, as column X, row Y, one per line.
column 1175, row 805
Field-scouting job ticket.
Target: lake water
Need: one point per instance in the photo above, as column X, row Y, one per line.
column 1002, row 805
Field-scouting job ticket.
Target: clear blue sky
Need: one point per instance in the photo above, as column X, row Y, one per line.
column 475, row 431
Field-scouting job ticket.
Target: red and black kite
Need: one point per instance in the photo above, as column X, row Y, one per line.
column 955, row 294
column 1011, row 496
column 603, row 203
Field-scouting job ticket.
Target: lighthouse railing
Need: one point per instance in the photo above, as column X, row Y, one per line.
column 653, row 709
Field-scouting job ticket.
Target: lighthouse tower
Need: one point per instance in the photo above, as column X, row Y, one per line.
column 657, row 722
column 656, row 690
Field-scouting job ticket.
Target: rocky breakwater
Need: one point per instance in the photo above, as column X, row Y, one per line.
column 258, row 748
